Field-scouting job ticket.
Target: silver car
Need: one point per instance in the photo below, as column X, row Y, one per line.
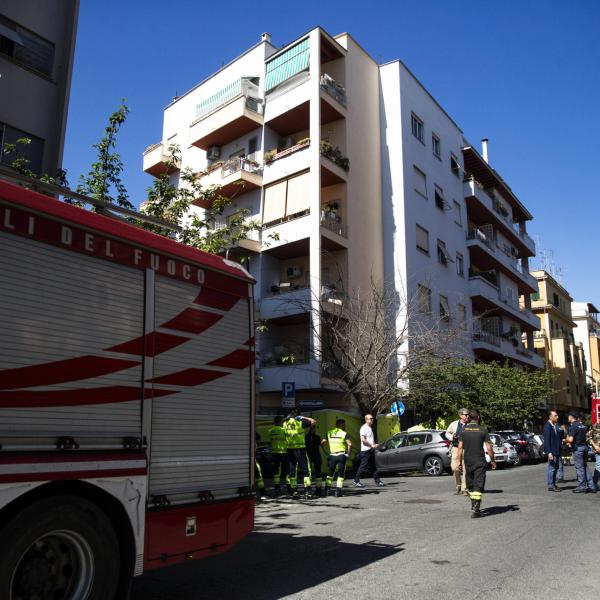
column 504, row 453
column 425, row 450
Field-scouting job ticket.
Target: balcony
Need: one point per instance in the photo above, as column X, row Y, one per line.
column 250, row 243
column 236, row 176
column 287, row 299
column 487, row 297
column 487, row 253
column 332, row 221
column 334, row 89
column 156, row 161
column 486, row 205
column 227, row 115
column 493, row 347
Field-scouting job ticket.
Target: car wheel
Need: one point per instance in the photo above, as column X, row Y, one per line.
column 59, row 547
column 517, row 461
column 433, row 466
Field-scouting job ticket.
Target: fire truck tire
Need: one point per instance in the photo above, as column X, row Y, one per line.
column 59, row 547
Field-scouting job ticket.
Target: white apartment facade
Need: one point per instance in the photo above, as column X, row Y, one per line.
column 587, row 333
column 455, row 235
column 285, row 123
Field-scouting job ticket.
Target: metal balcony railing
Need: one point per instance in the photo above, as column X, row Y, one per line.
column 335, row 90
column 284, row 356
column 240, row 163
column 488, row 338
column 333, row 222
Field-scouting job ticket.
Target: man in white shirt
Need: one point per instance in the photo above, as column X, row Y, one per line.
column 366, row 456
column 452, row 433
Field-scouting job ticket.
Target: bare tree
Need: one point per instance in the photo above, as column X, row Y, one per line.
column 367, row 342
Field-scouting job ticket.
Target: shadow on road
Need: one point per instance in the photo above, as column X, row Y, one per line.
column 265, row 566
column 490, row 511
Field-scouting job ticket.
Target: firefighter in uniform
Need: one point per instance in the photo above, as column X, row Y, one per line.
column 313, row 450
column 340, row 447
column 296, row 450
column 260, row 482
column 278, row 441
column 470, row 450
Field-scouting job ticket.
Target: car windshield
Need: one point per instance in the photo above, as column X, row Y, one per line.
column 496, row 440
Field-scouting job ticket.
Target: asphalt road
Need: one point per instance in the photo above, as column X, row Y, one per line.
column 412, row 539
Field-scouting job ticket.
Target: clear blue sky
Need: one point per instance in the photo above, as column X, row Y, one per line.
column 524, row 73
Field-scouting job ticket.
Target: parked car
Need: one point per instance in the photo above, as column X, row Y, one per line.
column 538, row 441
column 426, row 450
column 504, row 453
column 525, row 447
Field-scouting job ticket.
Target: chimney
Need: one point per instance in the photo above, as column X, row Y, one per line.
column 265, row 37
column 484, row 149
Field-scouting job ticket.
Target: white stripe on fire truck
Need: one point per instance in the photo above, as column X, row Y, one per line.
column 110, row 465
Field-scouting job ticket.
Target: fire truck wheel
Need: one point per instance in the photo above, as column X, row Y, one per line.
column 62, row 547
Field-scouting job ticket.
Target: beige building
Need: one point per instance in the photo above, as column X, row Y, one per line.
column 587, row 333
column 555, row 341
column 37, row 43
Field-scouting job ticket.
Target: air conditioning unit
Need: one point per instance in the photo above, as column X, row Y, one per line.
column 213, row 153
column 293, row 272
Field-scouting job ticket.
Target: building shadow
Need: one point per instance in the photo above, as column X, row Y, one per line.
column 264, row 566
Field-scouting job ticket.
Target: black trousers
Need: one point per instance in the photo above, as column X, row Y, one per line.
column 298, row 461
column 316, row 467
column 366, row 459
column 279, row 467
column 475, row 476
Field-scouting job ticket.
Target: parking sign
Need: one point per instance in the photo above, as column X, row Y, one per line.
column 288, row 394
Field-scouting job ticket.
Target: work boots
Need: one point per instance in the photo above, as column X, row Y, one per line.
column 337, row 493
column 475, row 509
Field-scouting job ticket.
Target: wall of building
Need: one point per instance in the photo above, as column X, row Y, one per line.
column 33, row 102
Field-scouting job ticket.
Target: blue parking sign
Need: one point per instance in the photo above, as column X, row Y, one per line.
column 288, row 390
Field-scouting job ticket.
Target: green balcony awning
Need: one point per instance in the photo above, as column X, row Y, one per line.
column 288, row 64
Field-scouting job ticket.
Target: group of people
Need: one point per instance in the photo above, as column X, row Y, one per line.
column 470, row 442
column 297, row 448
column 577, row 440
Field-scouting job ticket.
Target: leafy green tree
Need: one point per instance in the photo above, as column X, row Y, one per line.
column 103, row 182
column 505, row 396
column 205, row 228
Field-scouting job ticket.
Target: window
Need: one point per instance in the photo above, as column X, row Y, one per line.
column 442, row 253
column 460, row 264
column 439, row 198
column 417, row 127
column 286, row 199
column 422, row 239
column 424, row 299
column 555, row 300
column 395, row 442
column 444, row 309
column 252, row 145
column 416, row 439
column 568, row 385
column 420, row 181
column 26, row 47
column 454, row 166
column 436, row 146
column 33, row 152
column 457, row 213
column 535, row 296
column 567, row 357
column 461, row 310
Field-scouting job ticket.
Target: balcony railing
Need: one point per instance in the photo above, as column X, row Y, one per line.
column 240, row 163
column 240, row 87
column 252, row 234
column 335, row 90
column 487, row 338
column 489, row 276
column 482, row 235
column 276, row 154
column 333, row 222
column 329, row 293
column 334, row 154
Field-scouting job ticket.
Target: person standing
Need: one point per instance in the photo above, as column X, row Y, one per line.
column 340, row 447
column 594, row 439
column 577, row 438
column 313, row 450
column 366, row 456
column 278, row 441
column 552, row 448
column 452, row 434
column 294, row 427
column 470, row 449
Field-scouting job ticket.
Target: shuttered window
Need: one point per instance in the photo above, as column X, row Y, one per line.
column 287, row 64
column 419, row 181
column 297, row 194
column 422, row 239
column 274, row 208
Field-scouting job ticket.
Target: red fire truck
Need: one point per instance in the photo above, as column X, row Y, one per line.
column 126, row 401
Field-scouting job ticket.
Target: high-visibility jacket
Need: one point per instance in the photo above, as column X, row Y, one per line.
column 294, row 433
column 336, row 438
column 278, row 439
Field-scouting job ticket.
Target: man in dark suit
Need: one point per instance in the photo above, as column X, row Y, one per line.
column 552, row 444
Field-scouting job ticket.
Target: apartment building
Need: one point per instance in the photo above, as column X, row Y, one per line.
column 355, row 174
column 587, row 333
column 556, row 343
column 298, row 127
column 455, row 234
column 37, row 44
